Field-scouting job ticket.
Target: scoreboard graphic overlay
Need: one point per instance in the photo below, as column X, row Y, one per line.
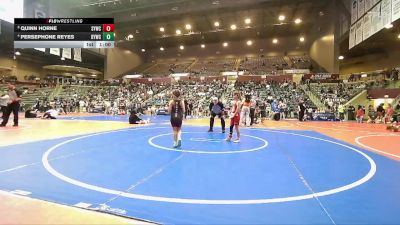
column 64, row 33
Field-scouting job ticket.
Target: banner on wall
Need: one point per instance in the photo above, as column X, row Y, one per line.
column 354, row 11
column 55, row 51
column 66, row 53
column 78, row 54
column 368, row 4
column 321, row 76
column 352, row 36
column 386, row 12
column 376, row 19
column 360, row 8
column 40, row 49
column 395, row 10
column 366, row 26
column 359, row 32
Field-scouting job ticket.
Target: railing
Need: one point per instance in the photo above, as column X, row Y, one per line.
column 313, row 98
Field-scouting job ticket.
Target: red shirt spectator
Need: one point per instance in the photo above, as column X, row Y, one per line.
column 360, row 113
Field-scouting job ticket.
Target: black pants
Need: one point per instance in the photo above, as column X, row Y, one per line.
column 301, row 116
column 213, row 115
column 11, row 108
column 341, row 116
column 3, row 111
column 252, row 110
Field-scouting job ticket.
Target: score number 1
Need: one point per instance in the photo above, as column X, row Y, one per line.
column 108, row 32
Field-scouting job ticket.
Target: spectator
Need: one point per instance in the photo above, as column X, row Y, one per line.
column 360, row 114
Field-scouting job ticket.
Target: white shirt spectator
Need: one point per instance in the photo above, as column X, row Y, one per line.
column 4, row 100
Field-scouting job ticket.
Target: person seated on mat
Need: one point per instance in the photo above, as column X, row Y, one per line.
column 134, row 119
column 31, row 113
column 50, row 114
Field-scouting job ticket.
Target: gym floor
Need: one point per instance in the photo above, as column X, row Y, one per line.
column 283, row 172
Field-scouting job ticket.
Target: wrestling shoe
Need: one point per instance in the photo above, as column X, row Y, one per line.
column 210, row 130
column 229, row 138
column 179, row 144
column 236, row 141
column 223, row 131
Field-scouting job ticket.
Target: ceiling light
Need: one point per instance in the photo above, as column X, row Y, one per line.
column 247, row 21
column 301, row 39
column 143, row 50
column 130, row 36
column 216, row 24
column 281, row 18
column 341, row 57
column 188, row 26
column 249, row 42
column 178, row 32
column 181, row 47
column 162, row 49
column 388, row 26
column 233, row 27
column 203, row 45
column 398, row 36
column 297, row 21
column 17, row 53
column 225, row 44
column 62, row 58
column 162, row 29
column 275, row 41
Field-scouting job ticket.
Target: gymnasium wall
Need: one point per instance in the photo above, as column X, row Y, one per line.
column 288, row 45
column 119, row 61
column 371, row 62
column 20, row 68
column 323, row 50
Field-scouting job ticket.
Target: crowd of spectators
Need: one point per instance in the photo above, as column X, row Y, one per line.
column 334, row 95
column 270, row 97
column 273, row 97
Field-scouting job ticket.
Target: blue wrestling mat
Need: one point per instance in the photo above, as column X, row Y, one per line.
column 125, row 118
column 271, row 177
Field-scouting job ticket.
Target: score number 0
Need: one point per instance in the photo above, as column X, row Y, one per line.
column 108, row 32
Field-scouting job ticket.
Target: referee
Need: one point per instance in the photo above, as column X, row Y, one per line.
column 13, row 105
column 217, row 109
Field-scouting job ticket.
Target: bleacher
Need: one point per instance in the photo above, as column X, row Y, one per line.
column 301, row 62
column 262, row 65
column 30, row 93
column 163, row 68
column 73, row 92
column 334, row 94
column 213, row 66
